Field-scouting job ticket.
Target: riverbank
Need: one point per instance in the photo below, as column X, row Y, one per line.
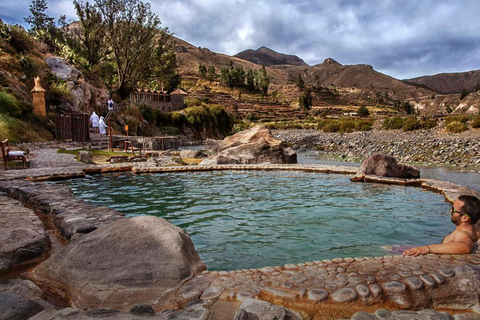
column 426, row 147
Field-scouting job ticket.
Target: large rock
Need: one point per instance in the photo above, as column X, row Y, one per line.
column 141, row 260
column 22, row 235
column 262, row 310
column 16, row 307
column 383, row 165
column 256, row 145
column 84, row 96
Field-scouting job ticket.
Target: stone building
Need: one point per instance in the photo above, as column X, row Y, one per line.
column 161, row 100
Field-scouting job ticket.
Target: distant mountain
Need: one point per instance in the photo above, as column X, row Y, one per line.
column 448, row 83
column 269, row 57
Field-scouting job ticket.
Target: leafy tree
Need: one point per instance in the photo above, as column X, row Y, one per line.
column 306, row 100
column 202, row 70
column 232, row 76
column 142, row 51
column 409, row 109
column 250, row 80
column 211, row 73
column 363, row 111
column 262, row 80
column 91, row 32
column 38, row 19
column 300, row 83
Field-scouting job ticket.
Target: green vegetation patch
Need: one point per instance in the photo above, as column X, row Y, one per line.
column 345, row 125
column 456, row 127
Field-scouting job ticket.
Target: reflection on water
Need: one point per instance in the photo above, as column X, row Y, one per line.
column 462, row 176
column 240, row 219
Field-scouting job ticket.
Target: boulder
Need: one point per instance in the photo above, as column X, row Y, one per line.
column 192, row 154
column 257, row 309
column 85, row 156
column 83, row 94
column 22, row 235
column 141, row 260
column 383, row 165
column 256, row 145
column 16, row 307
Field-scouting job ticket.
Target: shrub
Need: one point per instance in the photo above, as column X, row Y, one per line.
column 411, row 124
column 332, row 127
column 162, row 118
column 364, row 125
column 393, row 123
column 363, row 111
column 322, row 123
column 178, row 119
column 20, row 40
column 133, row 111
column 462, row 119
column 57, row 94
column 428, row 124
column 456, row 127
column 476, row 123
column 147, row 113
column 170, row 130
column 347, row 126
column 9, row 104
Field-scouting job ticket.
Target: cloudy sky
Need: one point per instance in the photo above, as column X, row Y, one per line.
column 401, row 38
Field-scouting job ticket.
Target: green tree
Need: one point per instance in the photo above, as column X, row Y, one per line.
column 464, row 94
column 300, row 83
column 211, row 73
column 142, row 51
column 305, row 100
column 363, row 111
column 91, row 34
column 202, row 70
column 250, row 80
column 409, row 109
column 262, row 81
column 38, row 19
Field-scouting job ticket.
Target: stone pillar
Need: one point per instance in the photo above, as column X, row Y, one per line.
column 38, row 94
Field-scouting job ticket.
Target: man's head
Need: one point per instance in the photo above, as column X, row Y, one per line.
column 465, row 209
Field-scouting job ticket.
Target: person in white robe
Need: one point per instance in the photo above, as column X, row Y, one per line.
column 94, row 121
column 102, row 126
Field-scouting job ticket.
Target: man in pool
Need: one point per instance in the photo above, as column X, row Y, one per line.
column 465, row 213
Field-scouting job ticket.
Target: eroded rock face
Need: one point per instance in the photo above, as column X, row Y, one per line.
column 141, row 260
column 383, row 165
column 84, row 95
column 256, row 145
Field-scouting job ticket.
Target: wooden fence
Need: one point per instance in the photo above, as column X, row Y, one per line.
column 73, row 126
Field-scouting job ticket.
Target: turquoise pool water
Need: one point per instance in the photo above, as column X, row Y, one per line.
column 252, row 219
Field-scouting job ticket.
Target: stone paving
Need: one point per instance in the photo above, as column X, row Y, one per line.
column 431, row 281
column 22, row 234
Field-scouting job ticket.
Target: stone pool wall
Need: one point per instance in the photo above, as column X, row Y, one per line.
column 431, row 281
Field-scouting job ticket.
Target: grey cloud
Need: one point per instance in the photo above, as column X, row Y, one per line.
column 403, row 38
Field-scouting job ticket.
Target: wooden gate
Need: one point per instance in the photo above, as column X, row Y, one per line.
column 73, row 126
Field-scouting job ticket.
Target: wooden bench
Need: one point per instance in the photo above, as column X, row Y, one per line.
column 12, row 155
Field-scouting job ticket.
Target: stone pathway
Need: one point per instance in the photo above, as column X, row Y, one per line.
column 22, row 234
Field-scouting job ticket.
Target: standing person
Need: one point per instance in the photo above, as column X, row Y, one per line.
column 110, row 104
column 94, row 122
column 102, row 126
column 465, row 213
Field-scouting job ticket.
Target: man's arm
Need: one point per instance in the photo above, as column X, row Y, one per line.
column 461, row 244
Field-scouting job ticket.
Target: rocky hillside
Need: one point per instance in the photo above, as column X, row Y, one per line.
column 449, row 83
column 269, row 57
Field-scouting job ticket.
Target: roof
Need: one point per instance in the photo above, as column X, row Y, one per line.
column 179, row 92
column 37, row 87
